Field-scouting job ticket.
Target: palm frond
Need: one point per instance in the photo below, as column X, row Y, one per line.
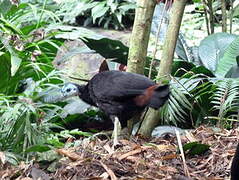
column 179, row 103
column 226, row 98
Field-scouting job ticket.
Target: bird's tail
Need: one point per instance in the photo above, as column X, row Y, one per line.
column 159, row 97
column 154, row 96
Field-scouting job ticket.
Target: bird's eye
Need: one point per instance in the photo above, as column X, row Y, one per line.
column 68, row 90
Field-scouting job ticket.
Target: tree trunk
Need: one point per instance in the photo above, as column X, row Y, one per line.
column 176, row 15
column 224, row 16
column 139, row 42
column 140, row 36
column 211, row 16
column 231, row 15
column 206, row 17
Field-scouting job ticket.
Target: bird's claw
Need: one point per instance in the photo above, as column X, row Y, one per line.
column 116, row 145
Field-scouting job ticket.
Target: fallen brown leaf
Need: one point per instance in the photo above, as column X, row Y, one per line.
column 130, row 153
column 109, row 171
column 71, row 155
column 169, row 156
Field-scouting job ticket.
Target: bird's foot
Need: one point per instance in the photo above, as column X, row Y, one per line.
column 116, row 143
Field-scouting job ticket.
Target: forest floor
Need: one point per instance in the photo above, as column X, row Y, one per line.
column 156, row 158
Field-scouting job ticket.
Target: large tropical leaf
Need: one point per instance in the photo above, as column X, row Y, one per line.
column 212, row 48
column 234, row 71
column 73, row 52
column 72, row 32
column 108, row 48
column 118, row 52
column 182, row 49
column 182, row 68
column 229, row 58
column 235, row 11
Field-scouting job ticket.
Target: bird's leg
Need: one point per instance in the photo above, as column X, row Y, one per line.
column 116, row 131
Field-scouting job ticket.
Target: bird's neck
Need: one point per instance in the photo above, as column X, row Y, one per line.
column 81, row 88
column 84, row 94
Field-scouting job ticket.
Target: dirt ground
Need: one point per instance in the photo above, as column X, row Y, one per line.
column 138, row 159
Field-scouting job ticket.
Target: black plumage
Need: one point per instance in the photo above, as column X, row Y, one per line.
column 235, row 165
column 120, row 94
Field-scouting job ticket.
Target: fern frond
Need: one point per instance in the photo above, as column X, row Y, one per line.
column 226, row 98
column 178, row 104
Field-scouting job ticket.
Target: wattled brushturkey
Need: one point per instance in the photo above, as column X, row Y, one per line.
column 120, row 95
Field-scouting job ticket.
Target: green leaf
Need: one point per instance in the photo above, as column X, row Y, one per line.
column 2, row 53
column 5, row 6
column 32, row 27
column 202, row 70
column 119, row 16
column 38, row 148
column 15, row 64
column 5, row 71
column 71, row 32
column 113, row 5
column 125, row 7
column 74, row 51
column 196, row 1
column 181, row 67
column 80, row 133
column 12, row 158
column 99, row 10
column 15, row 9
column 236, row 11
column 234, row 71
column 195, row 148
column 225, row 98
column 109, row 49
column 212, row 48
column 49, row 156
column 228, row 59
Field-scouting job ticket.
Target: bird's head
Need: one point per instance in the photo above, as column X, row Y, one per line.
column 70, row 90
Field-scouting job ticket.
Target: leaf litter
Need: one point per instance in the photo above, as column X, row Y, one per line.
column 137, row 158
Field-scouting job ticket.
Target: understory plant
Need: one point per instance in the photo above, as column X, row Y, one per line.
column 27, row 49
column 30, row 37
column 115, row 14
column 25, row 119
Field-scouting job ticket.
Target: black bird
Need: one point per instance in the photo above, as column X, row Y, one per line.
column 120, row 95
column 235, row 165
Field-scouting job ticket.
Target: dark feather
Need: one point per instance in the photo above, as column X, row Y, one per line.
column 123, row 94
column 235, row 165
column 104, row 66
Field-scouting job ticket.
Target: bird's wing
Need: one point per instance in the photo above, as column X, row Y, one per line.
column 115, row 85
